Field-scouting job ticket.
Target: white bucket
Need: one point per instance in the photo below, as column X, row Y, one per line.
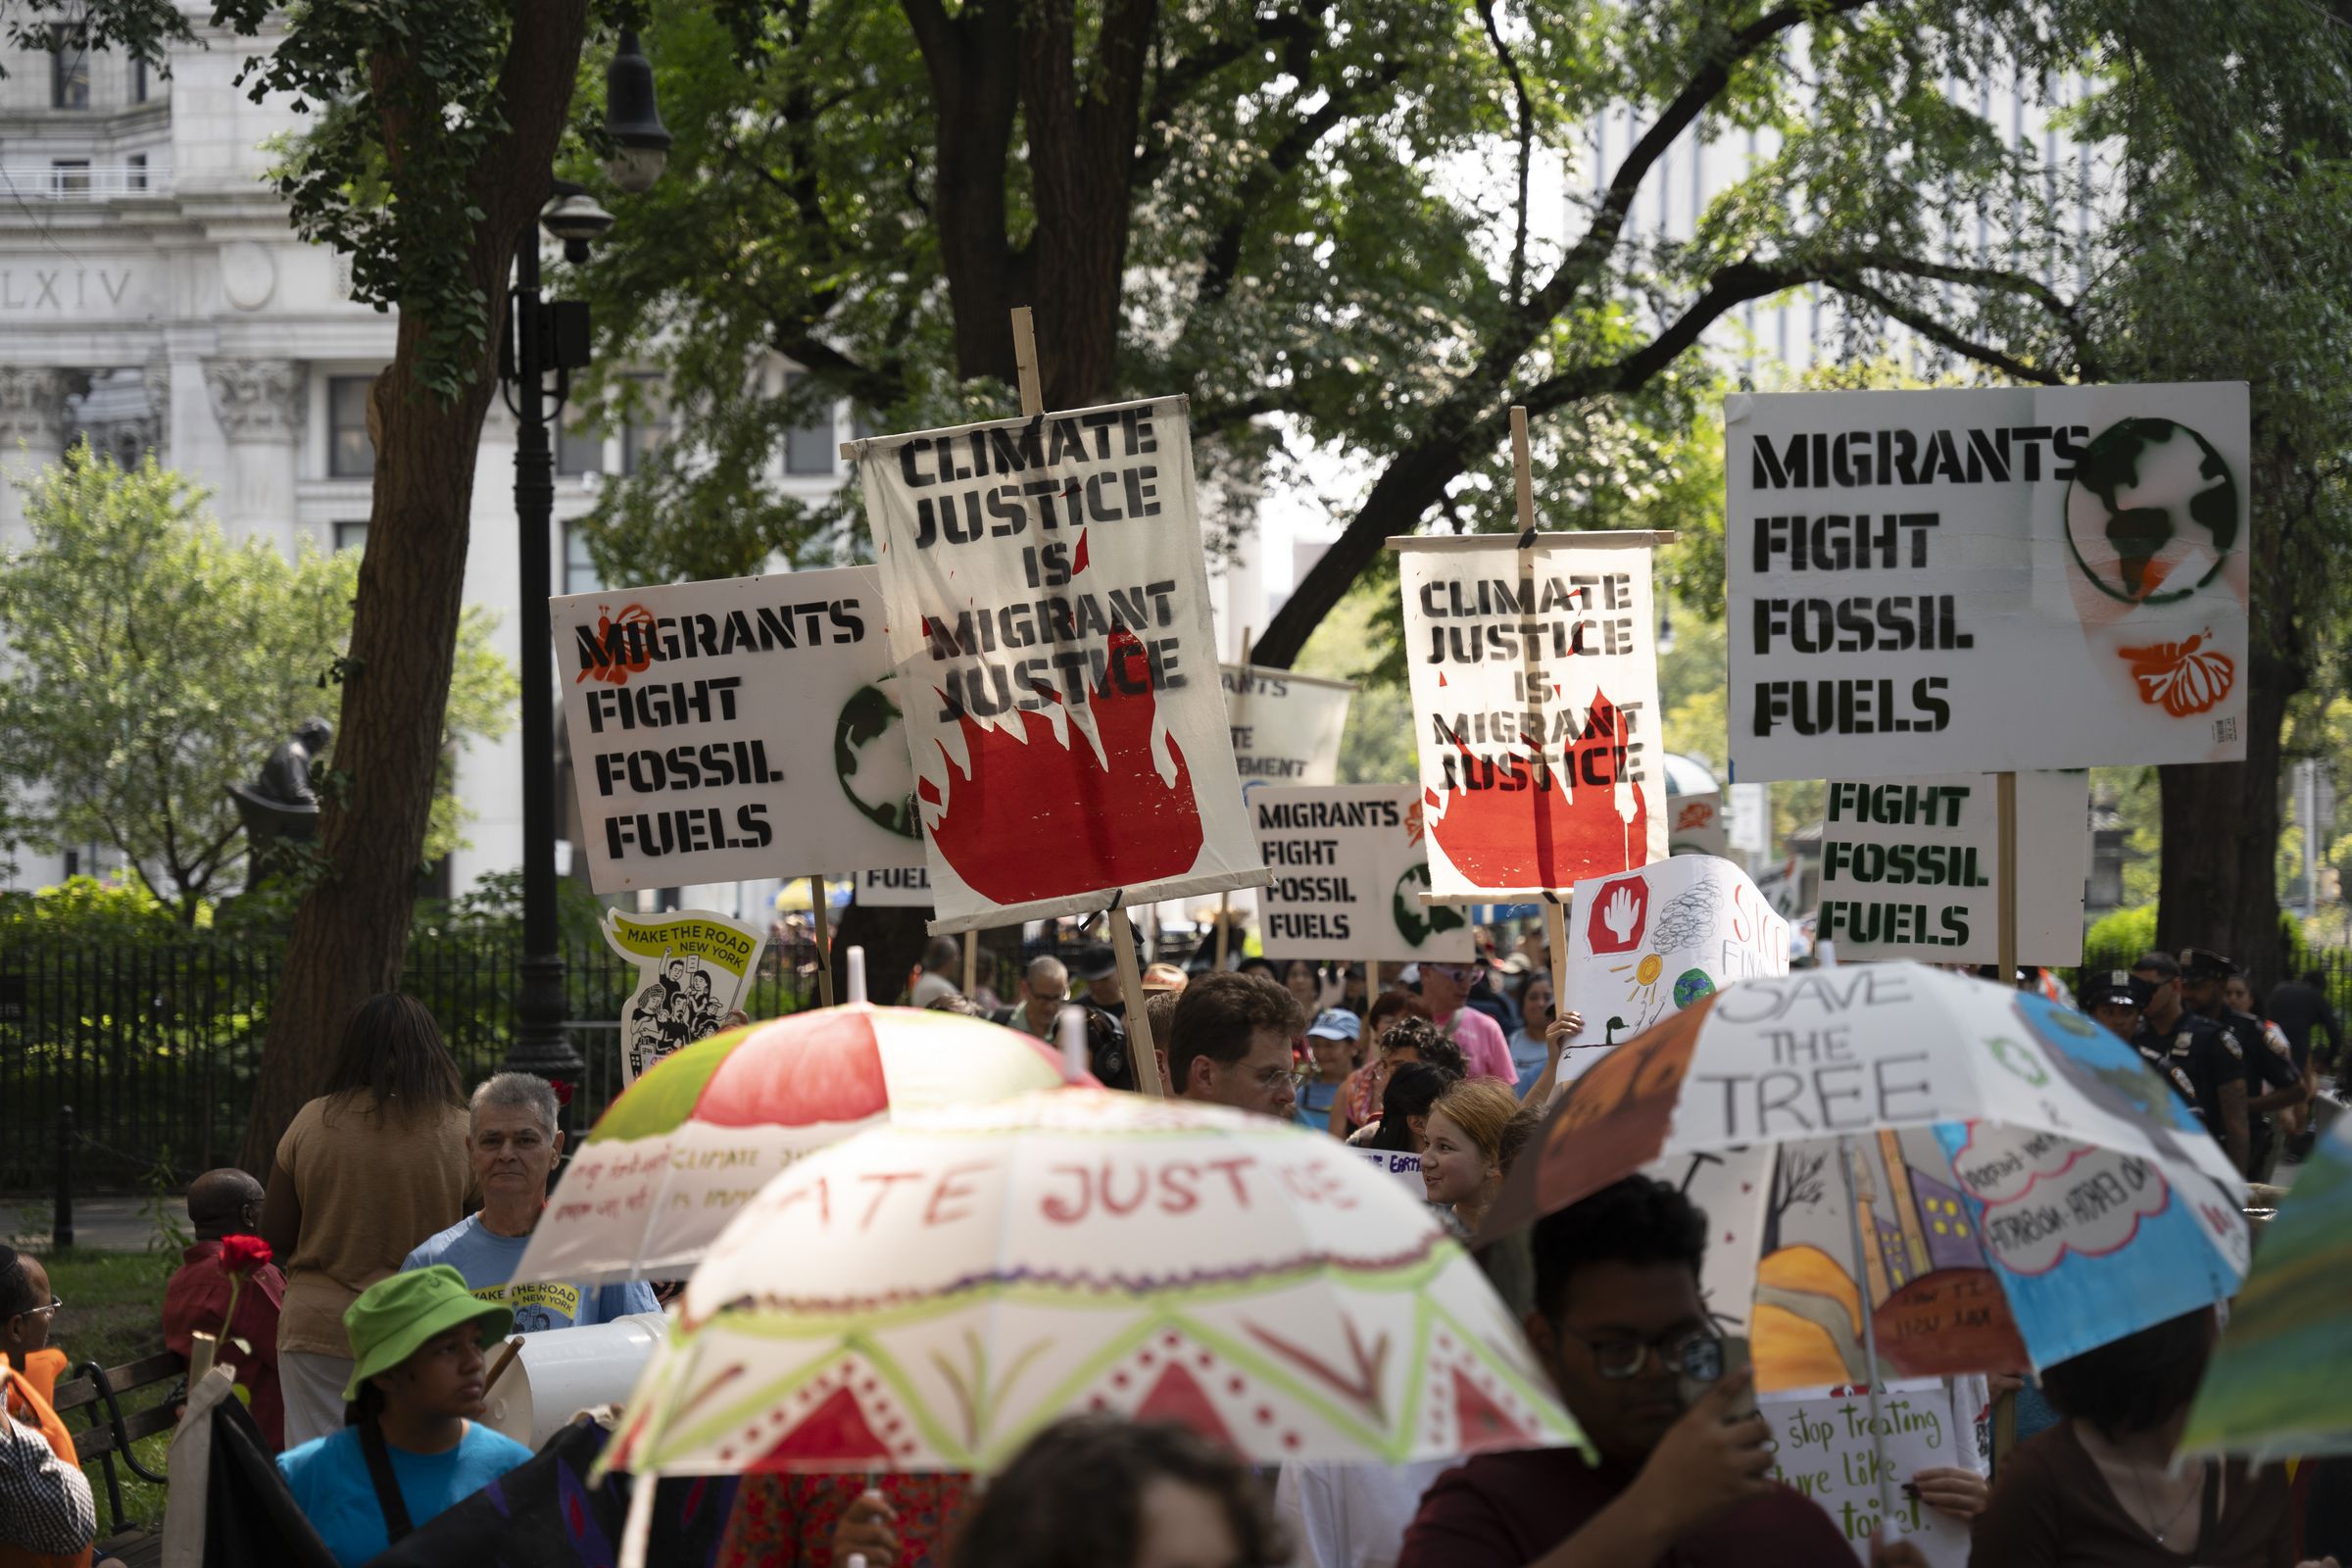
column 560, row 1372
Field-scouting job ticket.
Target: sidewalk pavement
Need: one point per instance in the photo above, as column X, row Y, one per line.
column 100, row 1224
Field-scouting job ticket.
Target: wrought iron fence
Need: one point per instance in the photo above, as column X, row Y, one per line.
column 156, row 1047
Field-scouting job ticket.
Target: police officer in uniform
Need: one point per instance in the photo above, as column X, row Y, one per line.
column 2196, row 1051
column 2117, row 998
column 2272, row 1081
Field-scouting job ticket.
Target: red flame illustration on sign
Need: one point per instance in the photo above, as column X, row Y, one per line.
column 1507, row 831
column 1032, row 817
column 2185, row 677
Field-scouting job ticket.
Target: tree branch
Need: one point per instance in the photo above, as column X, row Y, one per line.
column 2065, row 312
column 1936, row 332
column 1302, row 37
column 1527, row 141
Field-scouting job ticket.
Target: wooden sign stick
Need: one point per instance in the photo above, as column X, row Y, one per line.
column 823, row 920
column 1122, row 934
column 1530, row 676
column 2004, row 800
column 971, row 963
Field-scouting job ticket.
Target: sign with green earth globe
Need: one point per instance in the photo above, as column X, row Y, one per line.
column 1417, row 922
column 870, row 758
column 2151, row 512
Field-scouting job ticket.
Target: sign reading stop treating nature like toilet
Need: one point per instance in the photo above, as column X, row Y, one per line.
column 1986, row 580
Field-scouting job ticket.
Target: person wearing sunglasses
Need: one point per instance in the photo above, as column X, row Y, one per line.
column 1620, row 1326
column 1445, row 988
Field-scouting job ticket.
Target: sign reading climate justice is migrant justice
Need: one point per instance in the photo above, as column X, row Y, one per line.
column 1986, row 580
column 738, row 729
column 1050, row 624
column 1349, row 868
column 1286, row 726
column 1909, row 868
column 1535, row 708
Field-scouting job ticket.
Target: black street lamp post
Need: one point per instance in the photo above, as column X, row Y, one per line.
column 547, row 336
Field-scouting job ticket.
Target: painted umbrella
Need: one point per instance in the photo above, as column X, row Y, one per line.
column 1969, row 1178
column 2270, row 1390
column 686, row 1146
column 929, row 1293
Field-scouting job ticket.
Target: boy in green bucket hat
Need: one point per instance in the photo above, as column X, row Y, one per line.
column 412, row 1444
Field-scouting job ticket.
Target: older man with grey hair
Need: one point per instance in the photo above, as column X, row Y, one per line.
column 514, row 1142
column 1044, row 990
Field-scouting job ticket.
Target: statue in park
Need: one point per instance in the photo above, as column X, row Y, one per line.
column 279, row 806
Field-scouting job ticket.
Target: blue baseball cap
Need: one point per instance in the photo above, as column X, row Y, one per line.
column 1336, row 1023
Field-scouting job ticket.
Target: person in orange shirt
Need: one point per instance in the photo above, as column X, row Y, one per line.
column 47, row 1517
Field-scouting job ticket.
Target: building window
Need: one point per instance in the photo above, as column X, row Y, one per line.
column 139, row 82
column 645, row 435
column 69, row 67
column 138, row 171
column 580, row 445
column 809, row 448
column 68, row 176
column 349, row 451
column 351, row 536
column 579, row 568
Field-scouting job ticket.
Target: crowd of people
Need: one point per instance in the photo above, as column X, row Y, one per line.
column 399, row 1207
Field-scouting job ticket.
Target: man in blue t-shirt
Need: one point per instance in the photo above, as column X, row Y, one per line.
column 417, row 1381
column 514, row 1144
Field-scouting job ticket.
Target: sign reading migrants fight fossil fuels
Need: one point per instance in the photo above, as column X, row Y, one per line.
column 1908, row 868
column 1986, row 580
column 1050, row 624
column 1286, row 726
column 697, row 715
column 1350, row 867
column 1536, row 708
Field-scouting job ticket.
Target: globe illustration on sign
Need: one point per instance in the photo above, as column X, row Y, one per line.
column 1415, row 922
column 2151, row 512
column 1690, row 985
column 869, row 757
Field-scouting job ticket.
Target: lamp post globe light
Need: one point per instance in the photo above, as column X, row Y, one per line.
column 547, row 337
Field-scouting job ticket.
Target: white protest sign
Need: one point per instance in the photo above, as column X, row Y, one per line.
column 1286, row 726
column 1644, row 945
column 1909, row 868
column 1986, row 580
column 1750, row 825
column 1349, row 868
column 729, row 730
column 1406, row 1168
column 1824, row 1448
column 1049, row 619
column 1698, row 827
column 1532, row 784
column 894, row 887
column 693, row 969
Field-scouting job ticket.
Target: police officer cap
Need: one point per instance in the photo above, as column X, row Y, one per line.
column 2199, row 963
column 2113, row 988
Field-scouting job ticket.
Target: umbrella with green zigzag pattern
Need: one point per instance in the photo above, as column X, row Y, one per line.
column 665, row 1168
column 929, row 1293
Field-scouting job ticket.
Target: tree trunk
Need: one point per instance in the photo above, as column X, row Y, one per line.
column 351, row 929
column 972, row 63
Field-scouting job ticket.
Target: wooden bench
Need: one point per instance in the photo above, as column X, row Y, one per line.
column 109, row 1433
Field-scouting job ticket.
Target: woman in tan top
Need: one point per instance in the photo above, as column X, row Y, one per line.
column 2103, row 1489
column 367, row 1170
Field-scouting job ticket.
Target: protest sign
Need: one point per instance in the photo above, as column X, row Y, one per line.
column 693, row 969
column 1350, row 867
column 894, row 887
column 1286, row 726
column 1986, row 580
column 1909, row 868
column 1406, row 1169
column 1049, row 618
column 1535, row 708
column 1825, row 1448
column 1644, row 945
column 698, row 717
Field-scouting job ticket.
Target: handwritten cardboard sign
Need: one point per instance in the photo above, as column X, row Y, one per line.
column 1826, row 1448
column 1907, row 569
column 1910, row 868
column 1646, row 945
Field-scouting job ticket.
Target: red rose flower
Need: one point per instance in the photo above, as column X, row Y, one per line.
column 562, row 1088
column 242, row 1255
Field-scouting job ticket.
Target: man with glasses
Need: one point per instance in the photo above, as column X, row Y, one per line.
column 45, row 1505
column 1445, row 988
column 1231, row 1044
column 1045, row 991
column 1620, row 1326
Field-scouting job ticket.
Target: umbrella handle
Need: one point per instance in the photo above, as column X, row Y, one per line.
column 857, row 975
